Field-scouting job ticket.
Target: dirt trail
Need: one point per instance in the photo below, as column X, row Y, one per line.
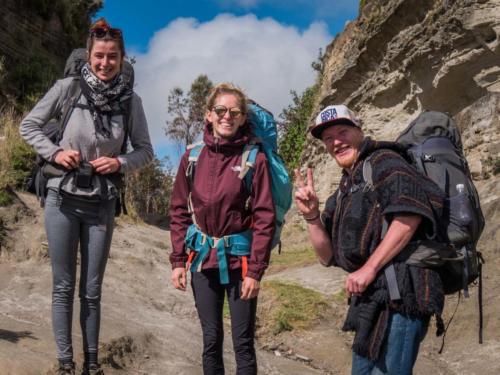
column 147, row 327
column 150, row 328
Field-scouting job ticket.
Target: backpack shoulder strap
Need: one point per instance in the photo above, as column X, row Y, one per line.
column 195, row 149
column 248, row 159
column 72, row 97
column 194, row 153
column 368, row 174
column 127, row 108
column 389, row 271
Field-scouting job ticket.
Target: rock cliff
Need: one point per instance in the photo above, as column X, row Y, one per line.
column 398, row 58
column 402, row 56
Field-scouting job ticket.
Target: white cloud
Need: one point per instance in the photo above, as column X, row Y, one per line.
column 265, row 58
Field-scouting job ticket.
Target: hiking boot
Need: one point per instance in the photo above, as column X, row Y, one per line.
column 66, row 369
column 92, row 369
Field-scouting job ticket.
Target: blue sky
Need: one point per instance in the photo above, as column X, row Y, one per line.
column 264, row 46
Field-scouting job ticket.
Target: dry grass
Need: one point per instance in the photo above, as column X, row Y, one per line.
column 292, row 257
column 287, row 306
column 17, row 158
column 296, row 250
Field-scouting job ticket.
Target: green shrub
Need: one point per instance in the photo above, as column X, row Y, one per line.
column 496, row 167
column 494, row 164
column 293, row 131
column 362, row 4
column 5, row 198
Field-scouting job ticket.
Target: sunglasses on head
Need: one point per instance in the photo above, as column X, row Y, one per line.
column 101, row 32
column 221, row 110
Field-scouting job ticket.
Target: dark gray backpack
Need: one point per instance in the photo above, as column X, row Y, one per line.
column 432, row 143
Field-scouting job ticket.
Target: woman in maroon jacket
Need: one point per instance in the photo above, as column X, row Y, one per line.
column 226, row 209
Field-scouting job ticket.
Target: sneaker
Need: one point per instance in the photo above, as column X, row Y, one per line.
column 66, row 369
column 92, row 369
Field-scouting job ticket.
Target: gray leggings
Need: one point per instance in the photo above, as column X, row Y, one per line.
column 69, row 222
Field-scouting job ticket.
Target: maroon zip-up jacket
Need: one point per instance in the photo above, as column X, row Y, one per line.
column 219, row 197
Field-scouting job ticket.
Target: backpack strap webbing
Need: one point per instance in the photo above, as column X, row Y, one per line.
column 194, row 154
column 237, row 244
column 127, row 108
column 248, row 158
column 389, row 271
column 70, row 102
column 480, row 295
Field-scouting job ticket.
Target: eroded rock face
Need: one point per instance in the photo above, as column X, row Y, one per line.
column 402, row 56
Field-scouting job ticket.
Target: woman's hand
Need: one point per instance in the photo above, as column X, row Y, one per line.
column 306, row 199
column 250, row 288
column 105, row 165
column 69, row 159
column 179, row 278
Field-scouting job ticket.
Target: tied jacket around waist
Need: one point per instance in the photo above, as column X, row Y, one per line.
column 219, row 201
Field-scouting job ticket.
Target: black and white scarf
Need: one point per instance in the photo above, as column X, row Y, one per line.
column 103, row 97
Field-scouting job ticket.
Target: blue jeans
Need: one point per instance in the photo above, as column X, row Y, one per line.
column 400, row 350
column 71, row 222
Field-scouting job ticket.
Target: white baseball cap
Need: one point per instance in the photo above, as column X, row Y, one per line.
column 334, row 115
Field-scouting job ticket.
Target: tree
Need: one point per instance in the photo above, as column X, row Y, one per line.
column 148, row 189
column 188, row 111
column 293, row 129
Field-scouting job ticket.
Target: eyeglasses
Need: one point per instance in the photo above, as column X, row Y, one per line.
column 101, row 32
column 221, row 110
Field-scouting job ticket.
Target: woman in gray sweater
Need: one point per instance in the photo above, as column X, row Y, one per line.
column 81, row 199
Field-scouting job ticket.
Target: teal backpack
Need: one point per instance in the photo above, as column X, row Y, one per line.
column 265, row 140
column 264, row 128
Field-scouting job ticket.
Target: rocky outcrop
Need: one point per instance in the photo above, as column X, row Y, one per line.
column 402, row 56
column 398, row 58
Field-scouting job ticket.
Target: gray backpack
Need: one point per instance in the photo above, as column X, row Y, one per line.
column 433, row 145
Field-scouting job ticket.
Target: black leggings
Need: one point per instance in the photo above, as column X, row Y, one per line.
column 209, row 298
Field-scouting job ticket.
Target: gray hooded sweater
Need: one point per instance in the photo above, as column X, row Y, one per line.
column 81, row 135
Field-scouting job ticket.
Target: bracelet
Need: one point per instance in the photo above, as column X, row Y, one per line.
column 309, row 219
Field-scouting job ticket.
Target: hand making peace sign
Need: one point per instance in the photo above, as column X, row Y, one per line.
column 305, row 197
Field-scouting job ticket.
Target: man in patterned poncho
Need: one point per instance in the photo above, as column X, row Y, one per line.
column 369, row 230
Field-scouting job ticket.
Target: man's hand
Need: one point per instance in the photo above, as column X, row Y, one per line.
column 69, row 159
column 306, row 199
column 357, row 282
column 105, row 165
column 179, row 278
column 250, row 288
column 398, row 235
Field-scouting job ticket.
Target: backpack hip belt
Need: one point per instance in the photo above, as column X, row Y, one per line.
column 200, row 244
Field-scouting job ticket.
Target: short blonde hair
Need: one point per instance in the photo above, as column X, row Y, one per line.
column 227, row 88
